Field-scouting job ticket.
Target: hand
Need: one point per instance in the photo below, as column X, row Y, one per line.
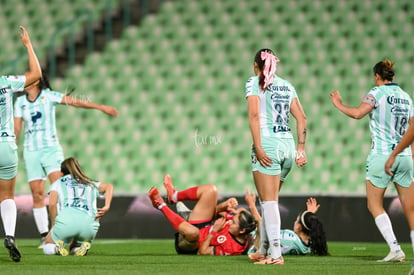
column 24, row 36
column 231, row 204
column 219, row 224
column 312, row 205
column 101, row 211
column 110, row 110
column 336, row 98
column 264, row 160
column 300, row 158
column 388, row 165
column 250, row 197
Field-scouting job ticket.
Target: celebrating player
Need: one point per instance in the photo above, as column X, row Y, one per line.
column 42, row 152
column 211, row 229
column 270, row 101
column 74, row 196
column 390, row 111
column 8, row 148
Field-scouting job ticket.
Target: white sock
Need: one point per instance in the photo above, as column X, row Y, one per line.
column 49, row 249
column 41, row 219
column 272, row 217
column 174, row 196
column 264, row 242
column 412, row 239
column 8, row 215
column 384, row 225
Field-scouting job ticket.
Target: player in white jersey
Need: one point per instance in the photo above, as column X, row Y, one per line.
column 271, row 100
column 307, row 236
column 43, row 153
column 73, row 210
column 390, row 111
column 8, row 147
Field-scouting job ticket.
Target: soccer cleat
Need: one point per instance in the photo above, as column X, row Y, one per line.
column 83, row 249
column 270, row 260
column 170, row 189
column 10, row 244
column 257, row 257
column 394, row 256
column 60, row 248
column 156, row 198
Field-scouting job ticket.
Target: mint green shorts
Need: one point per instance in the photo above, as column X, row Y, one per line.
column 74, row 224
column 8, row 160
column 281, row 151
column 402, row 169
column 41, row 163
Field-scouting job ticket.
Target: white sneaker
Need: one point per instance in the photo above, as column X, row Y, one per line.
column 394, row 256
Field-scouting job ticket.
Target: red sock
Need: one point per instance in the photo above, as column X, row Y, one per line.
column 172, row 217
column 189, row 194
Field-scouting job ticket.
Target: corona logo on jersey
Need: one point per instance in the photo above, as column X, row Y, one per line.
column 221, row 239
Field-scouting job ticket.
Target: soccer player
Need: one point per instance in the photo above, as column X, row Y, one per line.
column 42, row 151
column 74, row 196
column 211, row 229
column 390, row 112
column 8, row 147
column 307, row 236
column 270, row 101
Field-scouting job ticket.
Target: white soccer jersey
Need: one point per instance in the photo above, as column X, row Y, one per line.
column 39, row 119
column 8, row 86
column 274, row 105
column 389, row 119
column 77, row 195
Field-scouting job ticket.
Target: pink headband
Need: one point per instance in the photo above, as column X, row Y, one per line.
column 269, row 67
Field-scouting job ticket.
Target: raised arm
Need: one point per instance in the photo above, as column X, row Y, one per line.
column 354, row 112
column 80, row 103
column 35, row 72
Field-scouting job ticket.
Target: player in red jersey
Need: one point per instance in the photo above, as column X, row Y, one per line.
column 211, row 229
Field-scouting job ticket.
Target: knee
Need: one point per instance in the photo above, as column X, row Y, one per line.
column 211, row 189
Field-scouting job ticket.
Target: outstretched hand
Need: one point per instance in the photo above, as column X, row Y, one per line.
column 312, row 205
column 24, row 36
column 110, row 110
column 250, row 197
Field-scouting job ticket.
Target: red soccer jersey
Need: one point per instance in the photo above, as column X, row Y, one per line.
column 224, row 243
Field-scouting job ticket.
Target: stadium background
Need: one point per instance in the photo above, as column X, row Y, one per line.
column 176, row 71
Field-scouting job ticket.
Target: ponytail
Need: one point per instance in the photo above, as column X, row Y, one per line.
column 313, row 227
column 267, row 63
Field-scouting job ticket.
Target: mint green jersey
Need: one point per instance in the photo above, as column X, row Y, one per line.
column 275, row 104
column 39, row 119
column 291, row 244
column 389, row 118
column 77, row 195
column 8, row 86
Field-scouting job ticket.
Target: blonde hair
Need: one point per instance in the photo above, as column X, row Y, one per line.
column 71, row 166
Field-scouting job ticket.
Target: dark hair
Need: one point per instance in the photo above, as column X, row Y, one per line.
column 260, row 64
column 385, row 69
column 313, row 227
column 44, row 82
column 71, row 166
column 247, row 222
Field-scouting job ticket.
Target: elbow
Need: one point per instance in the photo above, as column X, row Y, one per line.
column 357, row 115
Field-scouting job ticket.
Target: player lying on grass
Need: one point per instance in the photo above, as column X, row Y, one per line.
column 212, row 229
column 307, row 237
column 78, row 220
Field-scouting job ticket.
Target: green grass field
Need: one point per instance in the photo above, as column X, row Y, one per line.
column 158, row 257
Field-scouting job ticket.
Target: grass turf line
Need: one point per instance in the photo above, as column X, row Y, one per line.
column 131, row 256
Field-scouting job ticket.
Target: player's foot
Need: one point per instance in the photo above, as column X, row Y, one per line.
column 170, row 189
column 60, row 248
column 156, row 198
column 394, row 256
column 257, row 257
column 270, row 260
column 83, row 249
column 411, row 270
column 42, row 242
column 14, row 252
